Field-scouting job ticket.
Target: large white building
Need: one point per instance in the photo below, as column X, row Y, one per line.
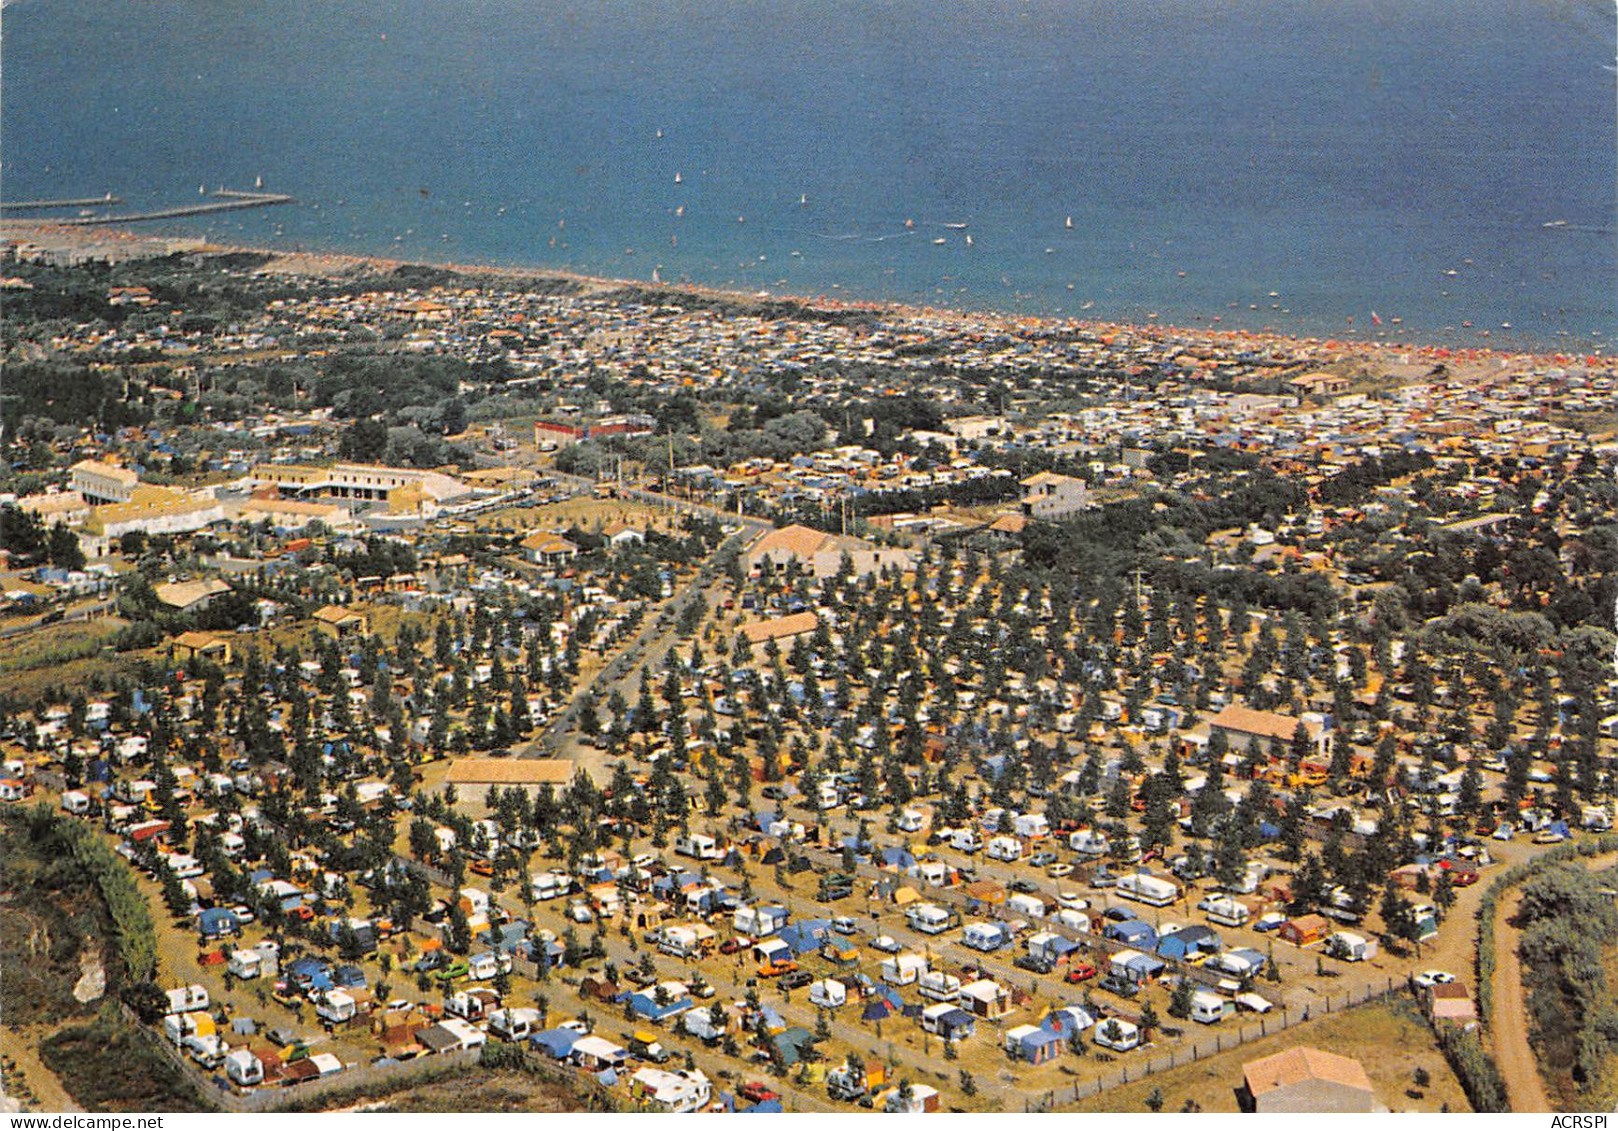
column 403, row 489
column 1048, row 495
column 101, row 482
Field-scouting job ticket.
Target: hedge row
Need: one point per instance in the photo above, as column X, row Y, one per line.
column 131, row 917
column 1562, row 854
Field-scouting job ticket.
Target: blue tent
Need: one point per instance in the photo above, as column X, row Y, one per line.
column 1133, row 932
column 1189, row 942
column 555, row 1043
column 876, row 1010
column 896, row 858
column 644, row 1003
column 217, row 922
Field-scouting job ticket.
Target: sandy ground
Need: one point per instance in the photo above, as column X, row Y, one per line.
column 1509, row 1022
column 1388, row 358
column 22, row 1046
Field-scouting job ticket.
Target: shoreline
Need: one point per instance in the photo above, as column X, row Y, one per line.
column 328, row 264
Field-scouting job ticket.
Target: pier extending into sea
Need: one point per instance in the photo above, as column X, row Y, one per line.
column 225, row 200
column 42, row 205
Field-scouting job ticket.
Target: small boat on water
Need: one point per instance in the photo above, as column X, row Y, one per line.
column 680, row 211
column 1554, row 224
column 1069, row 223
column 258, row 182
column 202, row 190
column 940, row 239
column 679, row 180
column 969, row 239
column 956, row 227
column 910, row 223
column 803, row 200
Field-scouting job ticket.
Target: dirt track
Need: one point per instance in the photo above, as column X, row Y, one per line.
column 1525, row 1088
column 1509, row 1022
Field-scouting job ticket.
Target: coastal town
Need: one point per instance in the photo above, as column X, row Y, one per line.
column 628, row 697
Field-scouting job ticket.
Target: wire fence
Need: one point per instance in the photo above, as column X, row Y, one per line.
column 220, row 1092
column 1220, row 1038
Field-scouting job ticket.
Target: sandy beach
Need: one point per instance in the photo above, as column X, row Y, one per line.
column 118, row 243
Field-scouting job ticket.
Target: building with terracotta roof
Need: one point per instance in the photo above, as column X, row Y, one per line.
column 1450, row 1001
column 542, row 548
column 1048, row 495
column 190, row 596
column 782, row 630
column 205, row 645
column 821, row 553
column 474, row 777
column 337, row 621
column 1305, row 1080
column 1273, row 732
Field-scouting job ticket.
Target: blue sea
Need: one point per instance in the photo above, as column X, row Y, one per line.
column 1344, row 155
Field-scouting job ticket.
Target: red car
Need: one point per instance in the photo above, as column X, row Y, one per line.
column 731, row 946
column 755, row 1092
column 1079, row 972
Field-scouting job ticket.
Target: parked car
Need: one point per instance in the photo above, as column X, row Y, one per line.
column 1077, row 972
column 1033, row 963
column 1123, row 987
column 755, row 1092
column 1058, row 870
column 1269, row 921
column 1429, row 978
column 733, row 945
column 1041, row 859
column 887, row 944
column 843, row 925
column 796, row 979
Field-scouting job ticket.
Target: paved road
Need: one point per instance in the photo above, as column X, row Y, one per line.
column 650, row 645
column 72, row 616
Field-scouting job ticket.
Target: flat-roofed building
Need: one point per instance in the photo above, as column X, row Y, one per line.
column 102, row 482
column 401, row 488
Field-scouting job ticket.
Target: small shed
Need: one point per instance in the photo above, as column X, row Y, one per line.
column 1032, row 1043
column 1305, row 930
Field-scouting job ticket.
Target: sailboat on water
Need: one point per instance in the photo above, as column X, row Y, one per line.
column 678, row 179
column 1069, row 224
